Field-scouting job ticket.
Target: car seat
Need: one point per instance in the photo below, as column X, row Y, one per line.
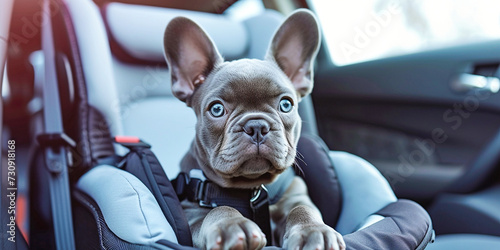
column 113, row 81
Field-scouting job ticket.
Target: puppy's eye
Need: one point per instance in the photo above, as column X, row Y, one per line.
column 286, row 105
column 217, row 109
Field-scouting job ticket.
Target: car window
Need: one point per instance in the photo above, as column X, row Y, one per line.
column 244, row 9
column 362, row 30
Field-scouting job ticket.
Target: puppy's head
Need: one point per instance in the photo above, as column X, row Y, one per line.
column 247, row 120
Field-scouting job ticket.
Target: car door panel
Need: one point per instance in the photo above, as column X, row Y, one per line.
column 405, row 115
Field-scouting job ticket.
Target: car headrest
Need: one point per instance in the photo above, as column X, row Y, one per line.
column 139, row 30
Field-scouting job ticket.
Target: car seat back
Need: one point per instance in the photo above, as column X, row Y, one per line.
column 126, row 75
column 113, row 80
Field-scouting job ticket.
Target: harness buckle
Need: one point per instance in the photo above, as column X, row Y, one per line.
column 259, row 197
column 201, row 195
column 202, row 203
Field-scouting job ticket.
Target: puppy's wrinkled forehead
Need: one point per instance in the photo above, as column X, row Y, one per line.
column 250, row 80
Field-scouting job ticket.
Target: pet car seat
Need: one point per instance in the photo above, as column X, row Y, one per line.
column 113, row 81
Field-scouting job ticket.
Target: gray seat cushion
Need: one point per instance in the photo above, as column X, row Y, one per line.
column 128, row 207
column 465, row 242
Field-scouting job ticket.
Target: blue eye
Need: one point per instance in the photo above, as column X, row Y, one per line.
column 286, row 105
column 217, row 109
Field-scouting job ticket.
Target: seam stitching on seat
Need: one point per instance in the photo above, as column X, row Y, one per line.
column 140, row 204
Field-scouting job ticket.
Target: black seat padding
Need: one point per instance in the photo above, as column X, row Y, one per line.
column 320, row 177
column 406, row 224
column 144, row 164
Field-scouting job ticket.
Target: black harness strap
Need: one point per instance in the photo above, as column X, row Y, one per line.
column 251, row 203
column 143, row 164
column 260, row 212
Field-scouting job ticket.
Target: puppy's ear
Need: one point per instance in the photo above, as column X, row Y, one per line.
column 294, row 48
column 190, row 55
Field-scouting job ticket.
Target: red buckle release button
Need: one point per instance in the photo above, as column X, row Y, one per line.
column 127, row 139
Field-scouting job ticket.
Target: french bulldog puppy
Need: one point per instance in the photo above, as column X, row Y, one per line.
column 247, row 130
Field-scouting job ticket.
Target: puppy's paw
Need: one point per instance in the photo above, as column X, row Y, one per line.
column 313, row 236
column 233, row 233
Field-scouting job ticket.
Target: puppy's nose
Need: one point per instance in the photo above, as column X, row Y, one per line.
column 257, row 129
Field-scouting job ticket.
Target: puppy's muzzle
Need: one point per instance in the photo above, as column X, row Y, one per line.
column 257, row 129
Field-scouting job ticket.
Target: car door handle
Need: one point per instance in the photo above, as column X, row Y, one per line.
column 466, row 82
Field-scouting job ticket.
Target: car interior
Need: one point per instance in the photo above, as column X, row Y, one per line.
column 411, row 149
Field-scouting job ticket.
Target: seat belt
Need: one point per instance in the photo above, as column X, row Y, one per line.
column 54, row 142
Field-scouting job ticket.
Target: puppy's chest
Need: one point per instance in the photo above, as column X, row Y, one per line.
column 202, row 195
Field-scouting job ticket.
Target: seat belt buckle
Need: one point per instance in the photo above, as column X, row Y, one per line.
column 56, row 142
column 131, row 142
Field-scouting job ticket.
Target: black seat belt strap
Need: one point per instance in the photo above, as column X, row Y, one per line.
column 54, row 142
